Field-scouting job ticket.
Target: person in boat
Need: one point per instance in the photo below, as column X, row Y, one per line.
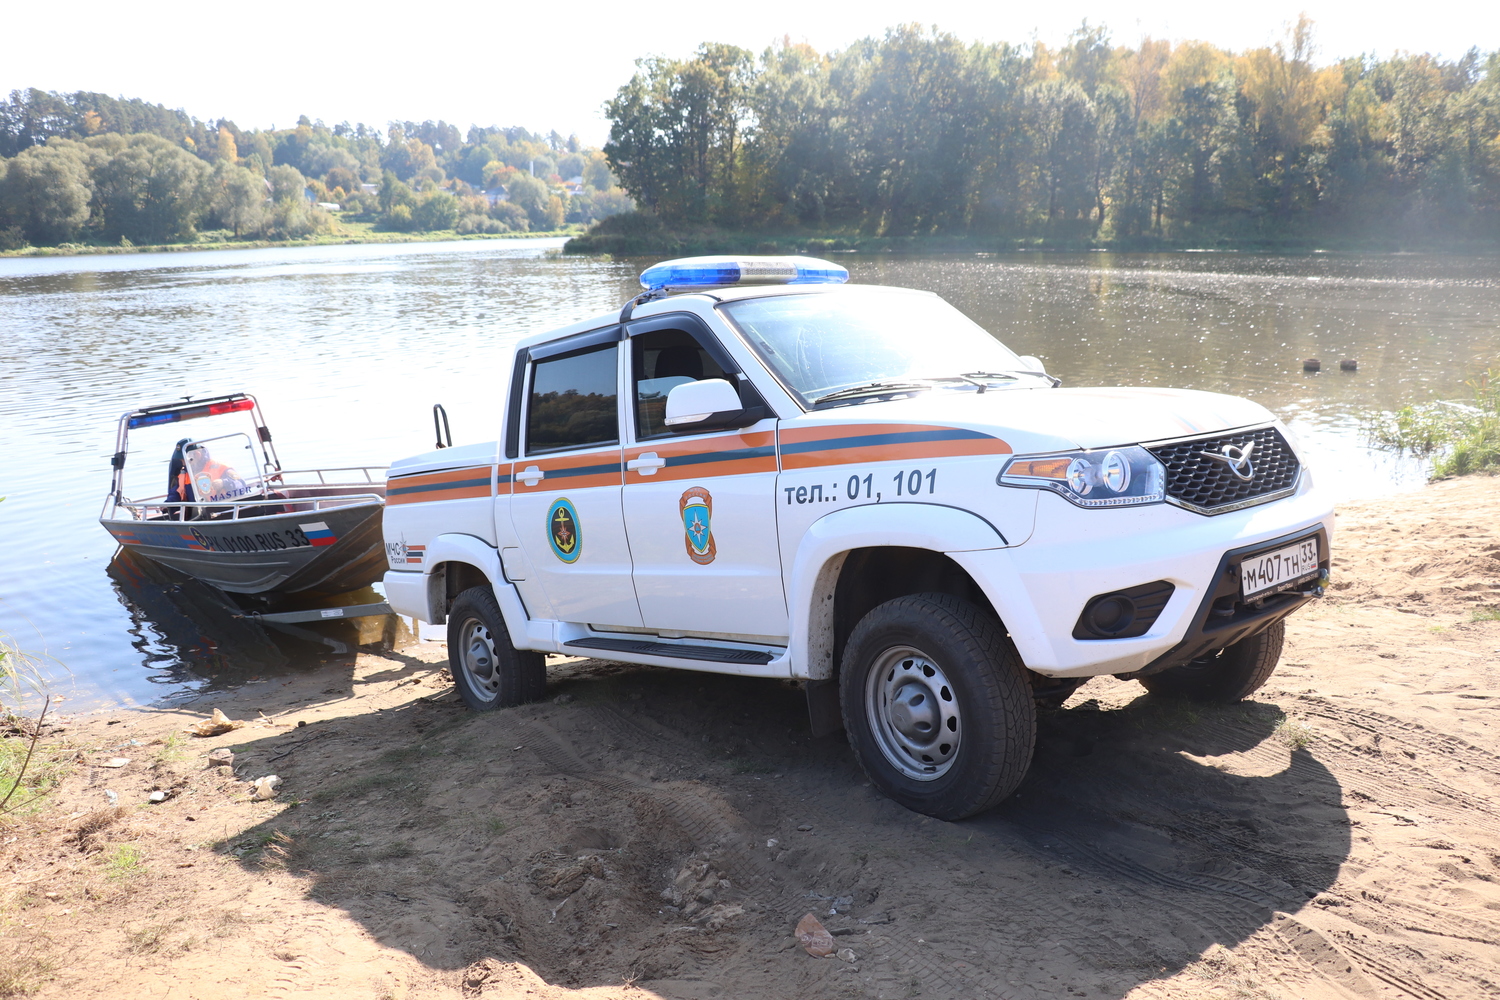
column 195, row 475
column 179, row 489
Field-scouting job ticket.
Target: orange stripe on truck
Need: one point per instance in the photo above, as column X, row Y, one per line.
column 704, row 458
column 846, row 444
column 449, row 484
column 571, row 472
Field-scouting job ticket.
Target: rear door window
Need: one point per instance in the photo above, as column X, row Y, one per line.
column 574, row 401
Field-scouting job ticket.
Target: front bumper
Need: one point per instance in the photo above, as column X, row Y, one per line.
column 1040, row 588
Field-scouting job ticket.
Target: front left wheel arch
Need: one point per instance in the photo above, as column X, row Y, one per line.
column 824, row 552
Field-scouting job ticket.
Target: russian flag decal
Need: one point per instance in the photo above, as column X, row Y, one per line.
column 317, row 533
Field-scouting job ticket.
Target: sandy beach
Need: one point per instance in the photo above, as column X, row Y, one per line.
column 649, row 833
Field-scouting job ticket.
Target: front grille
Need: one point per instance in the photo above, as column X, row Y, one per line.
column 1209, row 486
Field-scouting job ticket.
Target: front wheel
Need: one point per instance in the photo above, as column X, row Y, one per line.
column 1231, row 674
column 937, row 706
column 487, row 670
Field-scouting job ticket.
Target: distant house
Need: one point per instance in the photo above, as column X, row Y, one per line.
column 330, row 206
column 496, row 195
column 574, row 186
column 370, row 188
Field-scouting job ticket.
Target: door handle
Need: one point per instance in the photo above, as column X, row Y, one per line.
column 531, row 475
column 646, row 464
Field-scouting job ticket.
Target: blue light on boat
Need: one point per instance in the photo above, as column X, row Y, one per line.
column 190, row 412
column 717, row 272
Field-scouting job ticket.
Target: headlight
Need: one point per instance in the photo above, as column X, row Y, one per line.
column 1118, row 477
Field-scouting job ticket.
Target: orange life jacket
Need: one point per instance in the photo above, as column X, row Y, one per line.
column 213, row 468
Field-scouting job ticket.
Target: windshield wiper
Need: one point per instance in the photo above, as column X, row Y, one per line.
column 1013, row 375
column 974, row 378
column 893, row 386
column 871, row 389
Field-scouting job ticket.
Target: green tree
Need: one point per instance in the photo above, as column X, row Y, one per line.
column 409, row 158
column 1063, row 123
column 438, row 210
column 532, row 196
column 46, row 192
column 341, row 177
column 393, row 192
column 596, row 173
column 292, row 218
column 150, row 190
column 510, row 215
column 399, row 218
column 240, row 200
column 677, row 130
column 286, row 183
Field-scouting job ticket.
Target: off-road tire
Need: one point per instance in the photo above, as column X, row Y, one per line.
column 990, row 696
column 487, row 670
column 1230, row 675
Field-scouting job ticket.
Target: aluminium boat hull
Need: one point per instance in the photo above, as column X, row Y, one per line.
column 313, row 552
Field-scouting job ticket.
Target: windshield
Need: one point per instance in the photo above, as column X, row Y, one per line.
column 821, row 343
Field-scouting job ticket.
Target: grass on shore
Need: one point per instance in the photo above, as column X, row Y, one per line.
column 345, row 231
column 1463, row 437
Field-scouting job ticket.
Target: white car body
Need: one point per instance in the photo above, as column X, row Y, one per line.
column 803, row 498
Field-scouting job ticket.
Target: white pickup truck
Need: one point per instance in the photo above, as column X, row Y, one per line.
column 756, row 468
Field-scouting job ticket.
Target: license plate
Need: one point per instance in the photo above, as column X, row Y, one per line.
column 1280, row 568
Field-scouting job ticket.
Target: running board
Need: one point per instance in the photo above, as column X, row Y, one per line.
column 644, row 647
column 323, row 614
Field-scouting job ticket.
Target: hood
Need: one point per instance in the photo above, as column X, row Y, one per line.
column 1042, row 420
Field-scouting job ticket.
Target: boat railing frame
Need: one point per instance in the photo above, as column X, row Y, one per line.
column 366, row 469
column 139, row 509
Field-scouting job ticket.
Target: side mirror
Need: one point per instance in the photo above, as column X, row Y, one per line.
column 1033, row 364
column 709, row 404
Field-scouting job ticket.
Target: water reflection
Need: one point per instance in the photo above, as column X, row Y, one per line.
column 184, row 631
column 189, row 634
column 347, row 348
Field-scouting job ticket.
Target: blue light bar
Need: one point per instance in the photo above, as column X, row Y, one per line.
column 717, row 272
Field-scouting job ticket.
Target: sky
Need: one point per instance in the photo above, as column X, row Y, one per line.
column 552, row 66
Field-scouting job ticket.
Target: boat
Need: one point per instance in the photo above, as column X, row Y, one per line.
column 232, row 517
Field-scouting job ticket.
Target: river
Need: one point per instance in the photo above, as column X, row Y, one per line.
column 347, row 348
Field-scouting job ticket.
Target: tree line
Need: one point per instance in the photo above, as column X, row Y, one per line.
column 87, row 167
column 919, row 133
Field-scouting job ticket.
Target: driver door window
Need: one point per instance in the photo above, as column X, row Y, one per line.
column 661, row 361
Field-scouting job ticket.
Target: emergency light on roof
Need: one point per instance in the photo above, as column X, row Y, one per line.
column 717, row 272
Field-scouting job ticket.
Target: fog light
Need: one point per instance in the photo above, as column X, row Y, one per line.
column 1112, row 615
column 1123, row 614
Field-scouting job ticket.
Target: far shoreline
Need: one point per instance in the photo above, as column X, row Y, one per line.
column 667, row 244
column 641, row 234
column 327, row 240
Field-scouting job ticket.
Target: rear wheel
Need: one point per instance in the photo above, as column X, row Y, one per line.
column 1231, row 674
column 487, row 670
column 937, row 706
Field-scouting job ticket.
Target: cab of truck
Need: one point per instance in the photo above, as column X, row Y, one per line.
column 758, row 468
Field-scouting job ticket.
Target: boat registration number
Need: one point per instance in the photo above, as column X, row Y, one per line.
column 1279, row 569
